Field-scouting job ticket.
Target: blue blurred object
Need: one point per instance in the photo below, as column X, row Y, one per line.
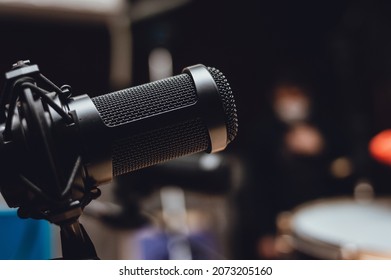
column 24, row 239
column 156, row 244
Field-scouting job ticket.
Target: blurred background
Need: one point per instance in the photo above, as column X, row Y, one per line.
column 312, row 82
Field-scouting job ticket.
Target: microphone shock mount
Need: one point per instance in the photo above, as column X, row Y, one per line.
column 41, row 179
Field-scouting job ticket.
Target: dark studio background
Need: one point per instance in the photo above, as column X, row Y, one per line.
column 339, row 52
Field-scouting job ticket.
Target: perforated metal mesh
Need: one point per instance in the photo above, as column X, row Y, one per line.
column 186, row 137
column 228, row 100
column 121, row 107
column 158, row 146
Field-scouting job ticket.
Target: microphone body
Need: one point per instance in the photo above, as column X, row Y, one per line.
column 115, row 133
column 131, row 129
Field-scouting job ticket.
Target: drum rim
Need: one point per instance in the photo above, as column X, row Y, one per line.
column 326, row 250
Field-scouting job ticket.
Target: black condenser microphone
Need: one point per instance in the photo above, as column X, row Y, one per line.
column 47, row 136
column 57, row 149
column 144, row 125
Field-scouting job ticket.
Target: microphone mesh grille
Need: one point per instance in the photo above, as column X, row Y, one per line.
column 228, row 100
column 156, row 146
column 124, row 106
column 136, row 151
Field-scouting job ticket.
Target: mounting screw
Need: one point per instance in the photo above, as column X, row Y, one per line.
column 67, row 91
column 20, row 63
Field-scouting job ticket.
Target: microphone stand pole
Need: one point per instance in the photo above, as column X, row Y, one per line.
column 75, row 242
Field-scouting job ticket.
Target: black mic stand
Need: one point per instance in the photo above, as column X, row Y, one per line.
column 75, row 242
column 56, row 188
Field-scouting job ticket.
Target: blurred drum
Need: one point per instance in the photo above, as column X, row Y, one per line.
column 339, row 228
